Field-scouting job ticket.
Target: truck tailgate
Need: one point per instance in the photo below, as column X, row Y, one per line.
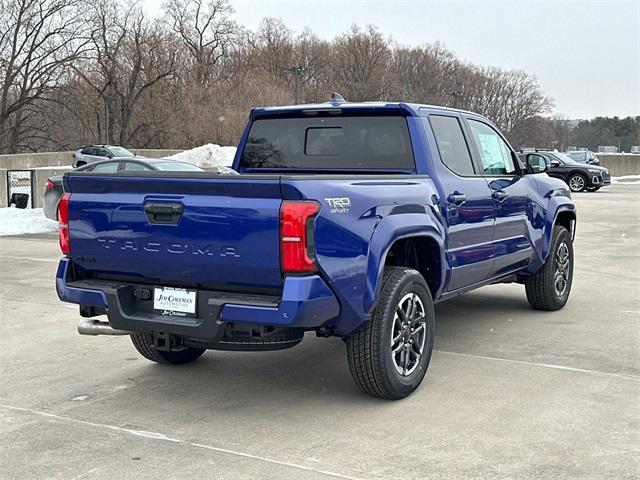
column 197, row 229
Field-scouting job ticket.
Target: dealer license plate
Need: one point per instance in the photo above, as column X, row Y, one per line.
column 176, row 302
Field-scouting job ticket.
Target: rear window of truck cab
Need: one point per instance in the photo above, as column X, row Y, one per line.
column 342, row 142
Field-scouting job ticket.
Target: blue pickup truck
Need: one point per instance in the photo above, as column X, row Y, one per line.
column 345, row 219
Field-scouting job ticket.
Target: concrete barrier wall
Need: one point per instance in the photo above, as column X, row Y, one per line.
column 155, row 152
column 621, row 164
column 23, row 161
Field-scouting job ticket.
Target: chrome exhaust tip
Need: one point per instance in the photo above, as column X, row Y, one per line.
column 87, row 326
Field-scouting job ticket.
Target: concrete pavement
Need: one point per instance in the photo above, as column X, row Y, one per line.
column 510, row 393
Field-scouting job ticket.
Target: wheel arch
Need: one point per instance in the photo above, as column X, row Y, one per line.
column 414, row 241
column 562, row 211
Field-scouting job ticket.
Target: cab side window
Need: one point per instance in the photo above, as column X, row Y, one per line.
column 135, row 167
column 107, row 167
column 452, row 146
column 494, row 152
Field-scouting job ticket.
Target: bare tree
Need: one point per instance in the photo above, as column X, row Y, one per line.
column 361, row 64
column 206, row 31
column 506, row 97
column 39, row 40
column 190, row 77
column 130, row 55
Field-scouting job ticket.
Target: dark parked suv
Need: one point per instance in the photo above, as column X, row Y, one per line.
column 579, row 176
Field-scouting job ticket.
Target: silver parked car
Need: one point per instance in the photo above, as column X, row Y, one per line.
column 95, row 153
column 54, row 187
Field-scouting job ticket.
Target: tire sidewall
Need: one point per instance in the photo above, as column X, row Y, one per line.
column 384, row 315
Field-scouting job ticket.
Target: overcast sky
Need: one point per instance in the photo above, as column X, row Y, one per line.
column 585, row 54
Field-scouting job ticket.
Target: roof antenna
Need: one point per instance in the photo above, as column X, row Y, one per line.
column 336, row 99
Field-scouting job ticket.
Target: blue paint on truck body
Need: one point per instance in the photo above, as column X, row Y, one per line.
column 227, row 239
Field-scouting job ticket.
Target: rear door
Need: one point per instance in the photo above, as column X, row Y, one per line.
column 177, row 229
column 467, row 205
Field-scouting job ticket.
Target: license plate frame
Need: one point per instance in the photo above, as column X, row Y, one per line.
column 175, row 302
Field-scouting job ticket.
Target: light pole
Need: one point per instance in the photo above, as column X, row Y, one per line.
column 221, row 121
column 456, row 95
column 296, row 71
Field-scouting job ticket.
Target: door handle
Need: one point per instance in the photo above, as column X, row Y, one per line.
column 499, row 195
column 457, row 198
column 164, row 213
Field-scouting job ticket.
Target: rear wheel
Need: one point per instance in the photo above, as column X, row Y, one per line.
column 389, row 356
column 577, row 182
column 549, row 289
column 144, row 344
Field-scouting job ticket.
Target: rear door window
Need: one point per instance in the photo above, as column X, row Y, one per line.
column 340, row 142
column 452, row 145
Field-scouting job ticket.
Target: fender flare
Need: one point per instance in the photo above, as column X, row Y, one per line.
column 556, row 206
column 388, row 231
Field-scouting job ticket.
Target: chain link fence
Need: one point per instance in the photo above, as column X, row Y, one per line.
column 20, row 188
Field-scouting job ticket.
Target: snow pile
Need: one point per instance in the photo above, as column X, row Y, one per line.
column 210, row 157
column 627, row 179
column 16, row 221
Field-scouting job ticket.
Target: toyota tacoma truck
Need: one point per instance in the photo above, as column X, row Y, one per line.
column 345, row 219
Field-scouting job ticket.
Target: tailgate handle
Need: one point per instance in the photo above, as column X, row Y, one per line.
column 164, row 213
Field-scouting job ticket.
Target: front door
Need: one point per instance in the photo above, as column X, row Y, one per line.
column 512, row 194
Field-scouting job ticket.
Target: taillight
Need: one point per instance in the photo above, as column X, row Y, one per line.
column 49, row 185
column 296, row 236
column 63, row 223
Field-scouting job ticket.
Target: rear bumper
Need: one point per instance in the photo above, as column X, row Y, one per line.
column 306, row 302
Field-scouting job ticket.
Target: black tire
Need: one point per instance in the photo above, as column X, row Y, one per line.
column 542, row 293
column 144, row 344
column 369, row 349
column 577, row 182
column 593, row 189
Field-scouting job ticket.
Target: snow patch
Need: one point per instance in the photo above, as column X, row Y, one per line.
column 18, row 221
column 627, row 179
column 210, row 157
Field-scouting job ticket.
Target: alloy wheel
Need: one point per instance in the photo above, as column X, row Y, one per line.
column 408, row 334
column 562, row 271
column 576, row 183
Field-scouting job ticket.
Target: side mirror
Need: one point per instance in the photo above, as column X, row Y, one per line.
column 109, row 155
column 536, row 163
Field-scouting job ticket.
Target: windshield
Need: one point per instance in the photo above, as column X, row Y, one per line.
column 578, row 156
column 340, row 142
column 564, row 158
column 177, row 167
column 120, row 152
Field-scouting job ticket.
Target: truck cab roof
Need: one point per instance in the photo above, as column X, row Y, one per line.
column 354, row 108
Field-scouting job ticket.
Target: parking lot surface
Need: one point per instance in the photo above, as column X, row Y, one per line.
column 510, row 393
